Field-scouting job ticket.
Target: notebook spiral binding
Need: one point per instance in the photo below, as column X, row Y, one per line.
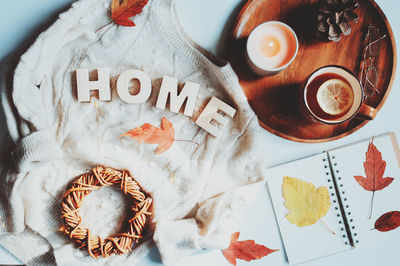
column 341, row 208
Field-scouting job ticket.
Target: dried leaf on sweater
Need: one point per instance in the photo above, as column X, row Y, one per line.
column 147, row 133
column 163, row 136
column 246, row 250
column 121, row 13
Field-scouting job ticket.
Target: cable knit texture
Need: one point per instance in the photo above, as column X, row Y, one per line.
column 197, row 190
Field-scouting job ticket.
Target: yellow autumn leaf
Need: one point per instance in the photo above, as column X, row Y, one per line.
column 306, row 203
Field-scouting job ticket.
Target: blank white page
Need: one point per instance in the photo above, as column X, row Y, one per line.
column 350, row 160
column 314, row 241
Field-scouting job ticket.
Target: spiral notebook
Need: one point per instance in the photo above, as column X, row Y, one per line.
column 350, row 206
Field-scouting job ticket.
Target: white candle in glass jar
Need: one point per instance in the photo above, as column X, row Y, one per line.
column 271, row 47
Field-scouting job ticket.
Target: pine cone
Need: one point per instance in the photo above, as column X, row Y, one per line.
column 334, row 17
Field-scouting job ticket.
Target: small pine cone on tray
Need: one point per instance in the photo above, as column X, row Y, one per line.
column 334, row 18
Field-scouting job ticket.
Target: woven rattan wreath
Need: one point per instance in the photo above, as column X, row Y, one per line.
column 93, row 180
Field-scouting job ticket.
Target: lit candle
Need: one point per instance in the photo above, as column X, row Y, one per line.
column 271, row 47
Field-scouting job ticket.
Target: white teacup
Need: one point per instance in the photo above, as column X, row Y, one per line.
column 357, row 107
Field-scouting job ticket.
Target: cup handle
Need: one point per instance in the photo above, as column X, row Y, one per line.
column 366, row 112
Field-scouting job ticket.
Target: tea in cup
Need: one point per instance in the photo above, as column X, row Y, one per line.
column 333, row 95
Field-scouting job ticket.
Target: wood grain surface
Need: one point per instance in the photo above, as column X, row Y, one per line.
column 275, row 99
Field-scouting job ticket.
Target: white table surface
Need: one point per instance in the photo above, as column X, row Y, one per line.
column 207, row 22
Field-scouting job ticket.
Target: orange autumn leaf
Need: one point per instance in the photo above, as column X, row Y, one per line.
column 122, row 12
column 374, row 168
column 147, row 133
column 246, row 250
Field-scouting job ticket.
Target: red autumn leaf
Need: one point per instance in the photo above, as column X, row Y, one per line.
column 121, row 13
column 147, row 133
column 388, row 221
column 245, row 250
column 374, row 167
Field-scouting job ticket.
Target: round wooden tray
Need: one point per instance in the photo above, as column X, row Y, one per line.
column 275, row 98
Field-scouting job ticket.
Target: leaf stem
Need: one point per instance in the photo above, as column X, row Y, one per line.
column 327, row 227
column 371, row 205
column 104, row 26
column 191, row 141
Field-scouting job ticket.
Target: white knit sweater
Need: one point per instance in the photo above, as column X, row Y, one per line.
column 197, row 190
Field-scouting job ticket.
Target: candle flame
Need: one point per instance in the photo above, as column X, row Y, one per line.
column 271, row 44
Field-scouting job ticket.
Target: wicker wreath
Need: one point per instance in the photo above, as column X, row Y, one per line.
column 93, row 180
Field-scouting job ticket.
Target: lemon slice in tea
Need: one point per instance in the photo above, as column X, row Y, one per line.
column 335, row 96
